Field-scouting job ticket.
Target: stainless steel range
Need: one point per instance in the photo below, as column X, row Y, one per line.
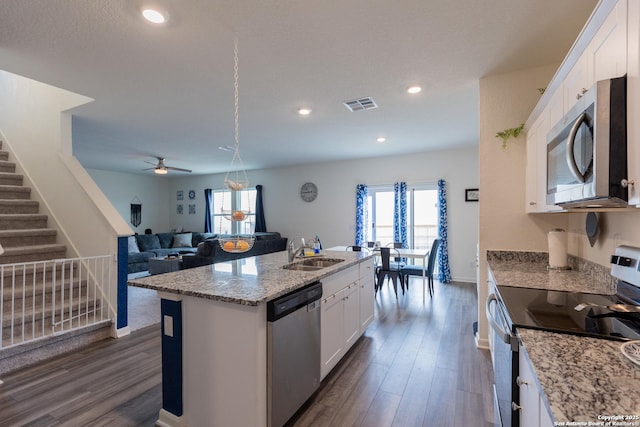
column 615, row 317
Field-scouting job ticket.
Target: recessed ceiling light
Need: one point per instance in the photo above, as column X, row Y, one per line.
column 154, row 16
column 304, row 111
column 381, row 139
column 414, row 89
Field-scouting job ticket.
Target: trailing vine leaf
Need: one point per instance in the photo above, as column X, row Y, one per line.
column 509, row 133
column 541, row 90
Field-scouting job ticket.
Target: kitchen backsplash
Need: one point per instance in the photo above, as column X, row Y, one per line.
column 596, row 271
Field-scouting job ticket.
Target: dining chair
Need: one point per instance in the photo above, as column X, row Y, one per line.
column 388, row 269
column 416, row 270
column 401, row 262
column 354, row 248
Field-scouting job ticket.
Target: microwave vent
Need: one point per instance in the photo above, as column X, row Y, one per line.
column 360, row 104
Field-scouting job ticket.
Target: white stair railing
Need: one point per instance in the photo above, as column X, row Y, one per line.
column 44, row 298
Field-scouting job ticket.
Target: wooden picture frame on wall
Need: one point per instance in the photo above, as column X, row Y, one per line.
column 471, row 195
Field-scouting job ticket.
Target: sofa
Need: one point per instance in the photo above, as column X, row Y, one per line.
column 142, row 247
column 210, row 252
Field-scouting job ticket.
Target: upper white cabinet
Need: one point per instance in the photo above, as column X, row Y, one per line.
column 607, row 52
column 608, row 47
column 633, row 100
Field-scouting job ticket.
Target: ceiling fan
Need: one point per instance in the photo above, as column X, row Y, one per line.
column 161, row 169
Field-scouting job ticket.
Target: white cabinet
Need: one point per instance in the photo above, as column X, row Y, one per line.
column 533, row 412
column 351, row 312
column 339, row 317
column 331, row 331
column 347, row 310
column 633, row 101
column 608, row 49
column 367, row 294
column 612, row 51
column 536, row 167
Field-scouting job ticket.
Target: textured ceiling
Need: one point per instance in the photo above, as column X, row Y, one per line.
column 168, row 90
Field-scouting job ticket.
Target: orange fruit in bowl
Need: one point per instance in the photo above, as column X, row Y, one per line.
column 242, row 245
column 228, row 246
column 238, row 215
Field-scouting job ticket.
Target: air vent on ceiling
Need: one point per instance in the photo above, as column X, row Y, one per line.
column 366, row 103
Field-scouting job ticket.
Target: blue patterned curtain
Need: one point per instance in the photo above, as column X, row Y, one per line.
column 208, row 210
column 361, row 214
column 400, row 213
column 444, row 273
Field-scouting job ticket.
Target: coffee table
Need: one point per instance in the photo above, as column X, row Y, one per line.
column 164, row 265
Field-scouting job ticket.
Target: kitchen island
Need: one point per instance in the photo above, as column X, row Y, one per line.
column 214, row 335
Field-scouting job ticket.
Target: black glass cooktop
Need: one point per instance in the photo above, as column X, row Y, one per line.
column 555, row 311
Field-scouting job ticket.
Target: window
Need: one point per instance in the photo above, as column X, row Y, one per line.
column 422, row 215
column 225, row 202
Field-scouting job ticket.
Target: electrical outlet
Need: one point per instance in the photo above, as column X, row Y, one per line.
column 168, row 326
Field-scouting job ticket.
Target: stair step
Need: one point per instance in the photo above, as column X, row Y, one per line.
column 40, row 270
column 27, row 237
column 33, row 253
column 17, row 206
column 69, row 307
column 21, row 356
column 6, row 166
column 22, row 221
column 14, row 192
column 39, row 290
column 4, row 155
column 7, row 178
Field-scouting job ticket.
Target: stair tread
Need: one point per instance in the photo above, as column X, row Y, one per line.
column 28, row 232
column 23, row 216
column 15, row 187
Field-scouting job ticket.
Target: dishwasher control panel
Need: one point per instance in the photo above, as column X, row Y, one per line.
column 289, row 303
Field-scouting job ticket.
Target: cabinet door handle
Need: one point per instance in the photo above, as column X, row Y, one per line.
column 532, row 203
column 520, row 382
column 515, row 406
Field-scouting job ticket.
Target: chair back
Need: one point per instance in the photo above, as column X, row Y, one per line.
column 432, row 257
column 385, row 254
column 353, row 248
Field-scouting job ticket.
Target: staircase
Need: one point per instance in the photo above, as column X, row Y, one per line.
column 41, row 292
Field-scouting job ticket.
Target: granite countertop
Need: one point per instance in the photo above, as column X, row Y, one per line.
column 583, row 378
column 247, row 281
column 529, row 270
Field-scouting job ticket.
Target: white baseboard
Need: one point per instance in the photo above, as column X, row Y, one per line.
column 167, row 419
column 481, row 343
column 119, row 333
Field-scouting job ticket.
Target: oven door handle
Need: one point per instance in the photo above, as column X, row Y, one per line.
column 502, row 332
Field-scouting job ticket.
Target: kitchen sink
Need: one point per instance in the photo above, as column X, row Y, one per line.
column 312, row 264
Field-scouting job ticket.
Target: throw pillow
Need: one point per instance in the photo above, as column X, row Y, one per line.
column 133, row 245
column 182, row 240
column 165, row 239
column 148, row 242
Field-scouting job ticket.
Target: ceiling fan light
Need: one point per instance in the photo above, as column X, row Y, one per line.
column 161, row 171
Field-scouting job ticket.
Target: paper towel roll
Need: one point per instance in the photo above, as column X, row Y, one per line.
column 557, row 248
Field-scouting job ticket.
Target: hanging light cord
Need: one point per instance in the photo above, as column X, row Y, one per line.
column 238, row 184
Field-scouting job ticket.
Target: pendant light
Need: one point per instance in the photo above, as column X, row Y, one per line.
column 236, row 178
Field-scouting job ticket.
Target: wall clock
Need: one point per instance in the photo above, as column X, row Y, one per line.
column 308, row 192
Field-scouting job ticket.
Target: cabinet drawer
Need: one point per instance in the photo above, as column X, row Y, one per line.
column 339, row 280
column 366, row 269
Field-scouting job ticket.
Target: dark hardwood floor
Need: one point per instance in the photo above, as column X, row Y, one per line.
column 416, row 365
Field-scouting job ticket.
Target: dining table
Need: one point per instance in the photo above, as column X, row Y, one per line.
column 401, row 253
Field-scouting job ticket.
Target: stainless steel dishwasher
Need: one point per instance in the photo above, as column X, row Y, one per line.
column 293, row 352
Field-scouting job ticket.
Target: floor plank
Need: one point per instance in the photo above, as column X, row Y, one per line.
column 416, row 365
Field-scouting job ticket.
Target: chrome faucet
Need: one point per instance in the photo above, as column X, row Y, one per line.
column 292, row 252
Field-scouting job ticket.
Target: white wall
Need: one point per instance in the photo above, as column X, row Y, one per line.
column 506, row 100
column 122, row 189
column 332, row 214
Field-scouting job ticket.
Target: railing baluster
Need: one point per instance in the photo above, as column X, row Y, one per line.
column 92, row 276
column 1, row 306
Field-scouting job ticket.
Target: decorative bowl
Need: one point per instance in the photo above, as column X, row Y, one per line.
column 236, row 244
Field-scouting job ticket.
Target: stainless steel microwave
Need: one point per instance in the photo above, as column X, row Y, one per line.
column 587, row 150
